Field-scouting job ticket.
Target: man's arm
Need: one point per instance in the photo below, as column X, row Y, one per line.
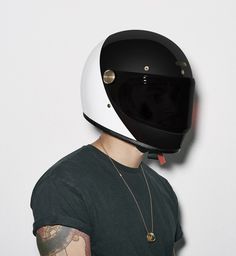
column 59, row 240
column 174, row 251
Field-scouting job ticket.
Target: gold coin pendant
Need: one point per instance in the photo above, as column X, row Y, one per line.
column 151, row 237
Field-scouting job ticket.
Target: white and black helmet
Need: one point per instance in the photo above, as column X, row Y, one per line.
column 137, row 85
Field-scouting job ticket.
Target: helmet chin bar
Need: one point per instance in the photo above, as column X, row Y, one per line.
column 153, row 153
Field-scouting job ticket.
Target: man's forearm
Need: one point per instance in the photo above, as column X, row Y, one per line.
column 173, row 251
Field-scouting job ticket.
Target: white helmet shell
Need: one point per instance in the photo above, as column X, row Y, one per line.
column 94, row 98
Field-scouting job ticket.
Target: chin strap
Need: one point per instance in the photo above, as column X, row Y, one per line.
column 161, row 158
column 157, row 156
column 153, row 155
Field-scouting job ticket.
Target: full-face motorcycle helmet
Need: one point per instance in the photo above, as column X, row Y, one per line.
column 137, row 85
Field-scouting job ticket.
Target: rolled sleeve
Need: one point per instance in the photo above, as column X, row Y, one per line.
column 179, row 231
column 56, row 202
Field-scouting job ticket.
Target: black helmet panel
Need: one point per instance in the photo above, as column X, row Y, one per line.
column 148, row 81
column 159, row 101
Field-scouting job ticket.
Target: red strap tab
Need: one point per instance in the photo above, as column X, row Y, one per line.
column 161, row 158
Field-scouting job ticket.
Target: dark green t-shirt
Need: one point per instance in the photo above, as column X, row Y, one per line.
column 83, row 190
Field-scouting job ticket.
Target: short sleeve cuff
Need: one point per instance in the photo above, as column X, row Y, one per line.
column 61, row 220
column 179, row 233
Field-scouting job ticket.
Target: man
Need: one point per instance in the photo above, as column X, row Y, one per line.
column 102, row 199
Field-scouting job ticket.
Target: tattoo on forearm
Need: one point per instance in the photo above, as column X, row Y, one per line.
column 58, row 240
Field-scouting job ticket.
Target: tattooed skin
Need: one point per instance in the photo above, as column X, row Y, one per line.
column 59, row 240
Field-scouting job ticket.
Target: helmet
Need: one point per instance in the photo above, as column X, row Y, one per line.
column 137, row 85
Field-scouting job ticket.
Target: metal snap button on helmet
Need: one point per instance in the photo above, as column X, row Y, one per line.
column 147, row 81
column 108, row 76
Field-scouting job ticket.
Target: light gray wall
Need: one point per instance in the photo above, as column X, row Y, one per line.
column 43, row 47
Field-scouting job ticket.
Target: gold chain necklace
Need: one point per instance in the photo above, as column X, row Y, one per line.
column 150, row 235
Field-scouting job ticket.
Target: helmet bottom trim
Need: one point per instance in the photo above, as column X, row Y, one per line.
column 140, row 146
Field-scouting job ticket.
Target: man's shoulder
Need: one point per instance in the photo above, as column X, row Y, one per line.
column 161, row 181
column 154, row 174
column 71, row 168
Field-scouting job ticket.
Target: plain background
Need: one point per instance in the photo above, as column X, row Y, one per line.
column 43, row 47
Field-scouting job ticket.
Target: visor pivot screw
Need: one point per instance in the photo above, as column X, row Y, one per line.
column 146, row 68
column 182, row 65
column 108, row 105
column 108, row 76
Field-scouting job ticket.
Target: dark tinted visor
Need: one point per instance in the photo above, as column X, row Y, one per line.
column 159, row 101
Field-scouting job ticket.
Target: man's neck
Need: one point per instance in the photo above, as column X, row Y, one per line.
column 119, row 150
